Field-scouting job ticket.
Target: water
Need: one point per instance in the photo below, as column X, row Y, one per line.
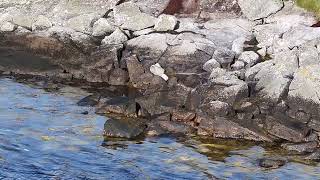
column 44, row 135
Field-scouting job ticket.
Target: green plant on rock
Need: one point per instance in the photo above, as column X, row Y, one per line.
column 310, row 5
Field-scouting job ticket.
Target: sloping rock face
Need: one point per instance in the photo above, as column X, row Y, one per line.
column 239, row 69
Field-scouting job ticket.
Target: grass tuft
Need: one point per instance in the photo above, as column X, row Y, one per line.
column 310, row 5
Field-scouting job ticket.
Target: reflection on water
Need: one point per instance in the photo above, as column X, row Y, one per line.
column 44, row 135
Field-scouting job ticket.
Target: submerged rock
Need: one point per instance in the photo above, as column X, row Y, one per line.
column 272, row 163
column 91, row 100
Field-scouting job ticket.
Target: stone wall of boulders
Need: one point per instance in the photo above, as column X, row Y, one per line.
column 244, row 69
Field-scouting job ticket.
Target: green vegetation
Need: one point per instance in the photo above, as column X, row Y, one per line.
column 311, row 5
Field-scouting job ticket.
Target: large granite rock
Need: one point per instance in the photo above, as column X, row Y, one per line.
column 274, row 79
column 258, row 9
column 225, row 31
column 277, row 25
column 128, row 16
column 304, row 90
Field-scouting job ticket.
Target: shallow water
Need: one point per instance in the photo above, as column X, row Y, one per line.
column 44, row 135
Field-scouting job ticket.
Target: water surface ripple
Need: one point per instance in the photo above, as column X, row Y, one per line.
column 44, row 135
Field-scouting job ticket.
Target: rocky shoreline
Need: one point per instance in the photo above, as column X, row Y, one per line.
column 246, row 69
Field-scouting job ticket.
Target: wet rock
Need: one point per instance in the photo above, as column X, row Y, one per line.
column 119, row 105
column 166, row 127
column 165, row 23
column 286, row 129
column 102, row 27
column 85, row 113
column 257, row 9
column 41, row 23
column 226, row 128
column 117, row 37
column 307, row 147
column 128, row 16
column 272, row 163
column 250, row 58
column 163, row 100
column 124, row 127
column 210, row 65
column 101, row 61
column 91, row 100
column 7, row 27
column 139, row 77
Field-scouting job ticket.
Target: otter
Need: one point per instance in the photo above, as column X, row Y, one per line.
column 182, row 6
